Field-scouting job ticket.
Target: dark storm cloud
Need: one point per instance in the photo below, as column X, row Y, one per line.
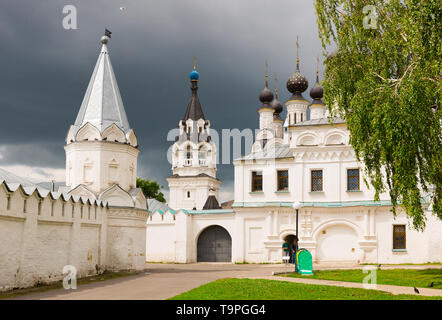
column 45, row 69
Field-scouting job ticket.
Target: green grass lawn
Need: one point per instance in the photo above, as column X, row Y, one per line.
column 257, row 289
column 398, row 277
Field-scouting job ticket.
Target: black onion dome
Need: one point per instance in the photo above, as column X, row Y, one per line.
column 266, row 95
column 317, row 92
column 277, row 106
column 297, row 83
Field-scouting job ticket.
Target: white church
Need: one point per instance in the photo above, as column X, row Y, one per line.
column 98, row 220
column 299, row 159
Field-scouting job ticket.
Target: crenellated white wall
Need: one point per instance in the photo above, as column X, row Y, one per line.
column 42, row 232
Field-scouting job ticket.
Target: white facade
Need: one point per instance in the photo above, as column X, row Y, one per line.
column 338, row 222
column 101, row 164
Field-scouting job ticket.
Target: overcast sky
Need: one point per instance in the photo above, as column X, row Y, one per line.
column 45, row 70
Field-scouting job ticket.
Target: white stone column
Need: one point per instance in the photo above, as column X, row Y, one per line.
column 372, row 222
column 238, row 245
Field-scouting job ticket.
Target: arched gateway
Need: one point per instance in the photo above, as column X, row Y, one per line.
column 214, row 245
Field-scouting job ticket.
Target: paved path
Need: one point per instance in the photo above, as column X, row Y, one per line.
column 159, row 282
column 162, row 281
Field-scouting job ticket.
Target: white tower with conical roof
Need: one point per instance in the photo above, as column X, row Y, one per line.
column 101, row 148
column 194, row 159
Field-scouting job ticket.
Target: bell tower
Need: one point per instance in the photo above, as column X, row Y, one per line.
column 193, row 157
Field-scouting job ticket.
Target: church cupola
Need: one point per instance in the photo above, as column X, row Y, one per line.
column 277, row 109
column 194, row 127
column 266, row 110
column 193, row 156
column 297, row 104
column 266, row 95
column 276, row 105
column 101, row 148
column 297, row 84
column 317, row 107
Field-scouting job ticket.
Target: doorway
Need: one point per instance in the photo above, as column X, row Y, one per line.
column 214, row 245
column 290, row 240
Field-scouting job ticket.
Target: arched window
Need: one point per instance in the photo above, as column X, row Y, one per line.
column 188, row 161
column 113, row 172
column 188, row 153
column 133, row 178
column 202, row 152
column 202, row 155
column 87, row 171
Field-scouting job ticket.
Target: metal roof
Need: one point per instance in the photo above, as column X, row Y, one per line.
column 194, row 110
column 13, row 182
column 200, row 175
column 11, row 178
column 211, row 203
column 102, row 104
column 320, row 121
column 154, row 205
column 278, row 152
column 333, row 204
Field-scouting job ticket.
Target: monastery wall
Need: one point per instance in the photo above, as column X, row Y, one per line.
column 173, row 237
column 42, row 232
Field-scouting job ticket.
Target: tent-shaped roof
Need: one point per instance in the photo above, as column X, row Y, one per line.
column 102, row 104
column 211, row 203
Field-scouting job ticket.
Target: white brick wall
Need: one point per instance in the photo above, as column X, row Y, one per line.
column 34, row 247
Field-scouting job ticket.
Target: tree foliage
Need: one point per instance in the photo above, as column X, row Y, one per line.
column 151, row 189
column 386, row 83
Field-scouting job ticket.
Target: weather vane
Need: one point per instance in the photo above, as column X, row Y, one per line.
column 107, row 33
column 276, row 86
column 267, row 72
column 317, row 66
column 297, row 51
